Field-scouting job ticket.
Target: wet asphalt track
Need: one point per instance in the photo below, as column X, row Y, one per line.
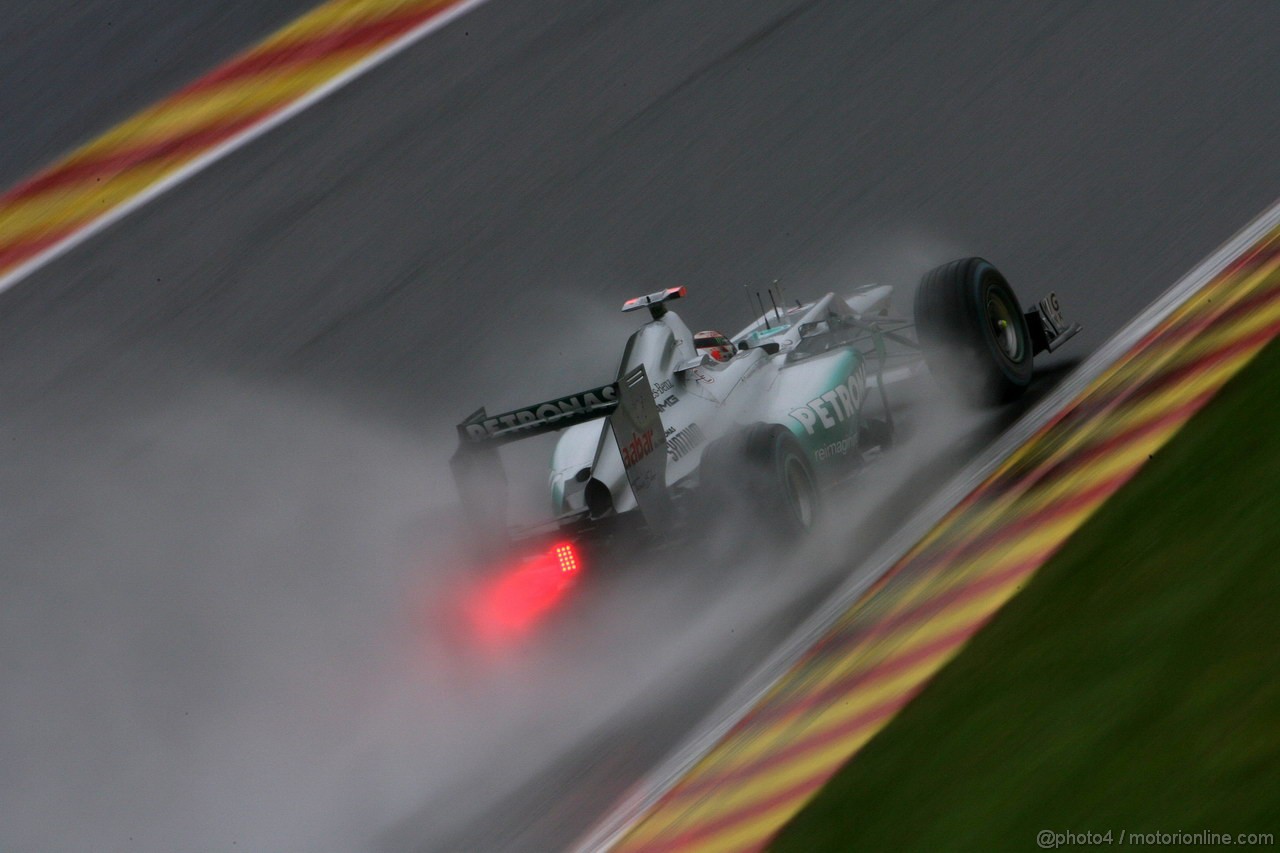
column 73, row 68
column 226, row 417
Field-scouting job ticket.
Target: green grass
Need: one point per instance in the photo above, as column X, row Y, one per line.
column 1134, row 684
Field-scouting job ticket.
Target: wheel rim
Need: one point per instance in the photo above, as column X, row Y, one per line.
column 801, row 492
column 1004, row 329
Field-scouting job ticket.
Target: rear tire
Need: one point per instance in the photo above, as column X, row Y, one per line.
column 763, row 473
column 788, row 491
column 973, row 332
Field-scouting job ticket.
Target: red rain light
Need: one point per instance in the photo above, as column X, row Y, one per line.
column 566, row 557
column 510, row 603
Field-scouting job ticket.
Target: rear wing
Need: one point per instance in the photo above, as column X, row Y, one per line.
column 633, row 421
column 482, row 429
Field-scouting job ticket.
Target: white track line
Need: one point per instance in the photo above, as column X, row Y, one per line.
column 610, row 829
column 246, row 136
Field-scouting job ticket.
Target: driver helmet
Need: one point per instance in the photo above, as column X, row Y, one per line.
column 714, row 344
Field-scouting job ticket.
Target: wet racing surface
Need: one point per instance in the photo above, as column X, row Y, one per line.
column 228, row 526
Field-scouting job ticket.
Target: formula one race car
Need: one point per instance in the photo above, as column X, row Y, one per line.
column 763, row 421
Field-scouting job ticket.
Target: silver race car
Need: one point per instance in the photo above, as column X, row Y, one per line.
column 763, row 422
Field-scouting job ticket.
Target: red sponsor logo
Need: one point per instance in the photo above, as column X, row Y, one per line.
column 640, row 446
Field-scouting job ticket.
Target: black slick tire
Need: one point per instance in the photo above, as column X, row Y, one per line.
column 763, row 475
column 973, row 332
